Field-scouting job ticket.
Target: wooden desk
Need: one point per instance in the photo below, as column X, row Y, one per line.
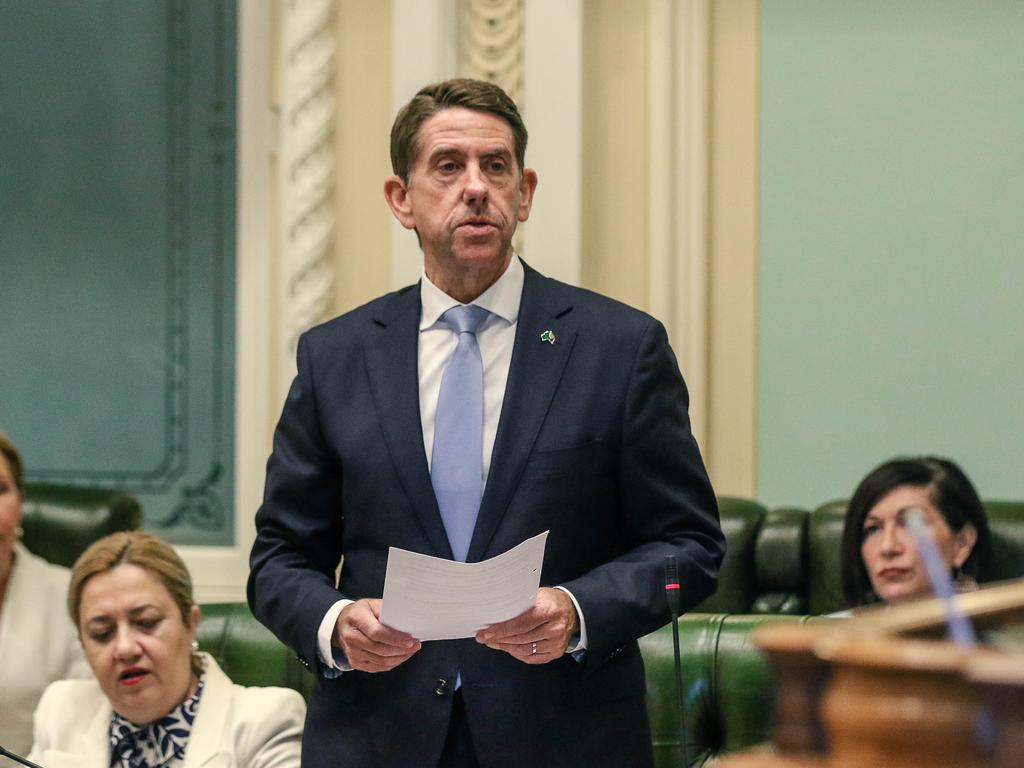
column 887, row 690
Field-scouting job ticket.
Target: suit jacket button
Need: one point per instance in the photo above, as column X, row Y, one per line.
column 442, row 687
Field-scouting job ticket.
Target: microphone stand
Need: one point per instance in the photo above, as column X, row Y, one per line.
column 17, row 758
column 672, row 596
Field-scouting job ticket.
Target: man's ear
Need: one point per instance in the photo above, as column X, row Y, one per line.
column 963, row 544
column 397, row 194
column 527, row 186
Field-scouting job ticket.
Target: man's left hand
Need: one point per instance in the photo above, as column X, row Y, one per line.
column 539, row 634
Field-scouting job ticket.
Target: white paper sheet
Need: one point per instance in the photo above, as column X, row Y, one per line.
column 436, row 599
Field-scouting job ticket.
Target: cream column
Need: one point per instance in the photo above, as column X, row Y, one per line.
column 732, row 446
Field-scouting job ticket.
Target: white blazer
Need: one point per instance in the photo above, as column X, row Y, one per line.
column 38, row 644
column 235, row 727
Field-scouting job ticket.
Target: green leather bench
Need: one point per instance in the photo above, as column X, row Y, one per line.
column 786, row 560
column 727, row 684
column 61, row 521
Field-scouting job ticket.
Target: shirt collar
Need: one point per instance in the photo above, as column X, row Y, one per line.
column 501, row 299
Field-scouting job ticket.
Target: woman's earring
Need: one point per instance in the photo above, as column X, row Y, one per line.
column 195, row 646
column 19, row 531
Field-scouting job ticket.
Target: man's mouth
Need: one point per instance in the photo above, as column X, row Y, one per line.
column 479, row 225
column 132, row 676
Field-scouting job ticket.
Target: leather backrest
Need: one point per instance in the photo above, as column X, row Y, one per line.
column 779, row 560
column 727, row 685
column 824, row 578
column 737, row 584
column 61, row 521
column 763, row 570
column 1006, row 526
column 247, row 651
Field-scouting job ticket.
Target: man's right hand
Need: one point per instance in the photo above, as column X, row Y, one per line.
column 368, row 645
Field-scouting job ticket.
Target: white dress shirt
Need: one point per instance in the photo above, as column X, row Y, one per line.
column 437, row 342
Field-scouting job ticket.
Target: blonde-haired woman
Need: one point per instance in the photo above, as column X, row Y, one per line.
column 156, row 701
column 37, row 642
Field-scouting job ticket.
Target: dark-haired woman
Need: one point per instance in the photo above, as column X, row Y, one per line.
column 880, row 559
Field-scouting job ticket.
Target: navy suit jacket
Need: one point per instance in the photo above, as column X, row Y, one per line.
column 593, row 445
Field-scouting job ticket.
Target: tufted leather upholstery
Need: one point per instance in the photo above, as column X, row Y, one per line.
column 763, row 570
column 247, row 651
column 61, row 521
column 728, row 686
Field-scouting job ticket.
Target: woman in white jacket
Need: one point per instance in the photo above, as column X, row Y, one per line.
column 155, row 701
column 37, row 642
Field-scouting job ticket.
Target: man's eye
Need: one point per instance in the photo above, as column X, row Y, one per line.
column 497, row 166
column 448, row 167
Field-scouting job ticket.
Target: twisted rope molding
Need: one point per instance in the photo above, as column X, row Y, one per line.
column 307, row 167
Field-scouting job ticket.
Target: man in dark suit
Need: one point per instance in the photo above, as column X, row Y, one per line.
column 550, row 409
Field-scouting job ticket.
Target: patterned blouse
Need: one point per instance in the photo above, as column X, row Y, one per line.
column 161, row 744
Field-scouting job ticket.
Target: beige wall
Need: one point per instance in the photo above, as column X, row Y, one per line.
column 617, row 163
column 730, row 449
column 362, row 262
column 614, row 218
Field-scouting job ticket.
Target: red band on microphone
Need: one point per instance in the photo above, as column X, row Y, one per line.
column 671, row 586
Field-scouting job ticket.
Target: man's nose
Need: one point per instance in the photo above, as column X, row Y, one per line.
column 475, row 191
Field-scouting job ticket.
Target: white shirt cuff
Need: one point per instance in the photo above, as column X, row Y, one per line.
column 333, row 660
column 582, row 644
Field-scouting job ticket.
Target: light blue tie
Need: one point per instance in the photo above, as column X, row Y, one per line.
column 456, row 465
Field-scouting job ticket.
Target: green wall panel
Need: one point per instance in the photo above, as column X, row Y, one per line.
column 890, row 264
column 117, row 251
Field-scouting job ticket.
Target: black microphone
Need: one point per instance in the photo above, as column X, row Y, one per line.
column 18, row 758
column 672, row 596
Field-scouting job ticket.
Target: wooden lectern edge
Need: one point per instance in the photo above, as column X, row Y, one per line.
column 850, row 639
column 996, row 667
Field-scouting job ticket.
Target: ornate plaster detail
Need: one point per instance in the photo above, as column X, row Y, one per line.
column 491, row 43
column 307, row 168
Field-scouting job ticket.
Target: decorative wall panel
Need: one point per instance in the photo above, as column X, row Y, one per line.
column 491, row 43
column 117, row 251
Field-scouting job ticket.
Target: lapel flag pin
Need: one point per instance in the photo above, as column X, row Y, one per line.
column 548, row 336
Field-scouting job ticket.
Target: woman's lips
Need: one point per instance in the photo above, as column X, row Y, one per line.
column 132, row 676
column 893, row 574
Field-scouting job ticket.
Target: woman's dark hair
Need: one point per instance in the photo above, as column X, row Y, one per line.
column 9, row 452
column 950, row 491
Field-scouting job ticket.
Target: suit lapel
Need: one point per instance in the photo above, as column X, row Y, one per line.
column 209, row 729
column 93, row 746
column 533, row 376
column 392, row 355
